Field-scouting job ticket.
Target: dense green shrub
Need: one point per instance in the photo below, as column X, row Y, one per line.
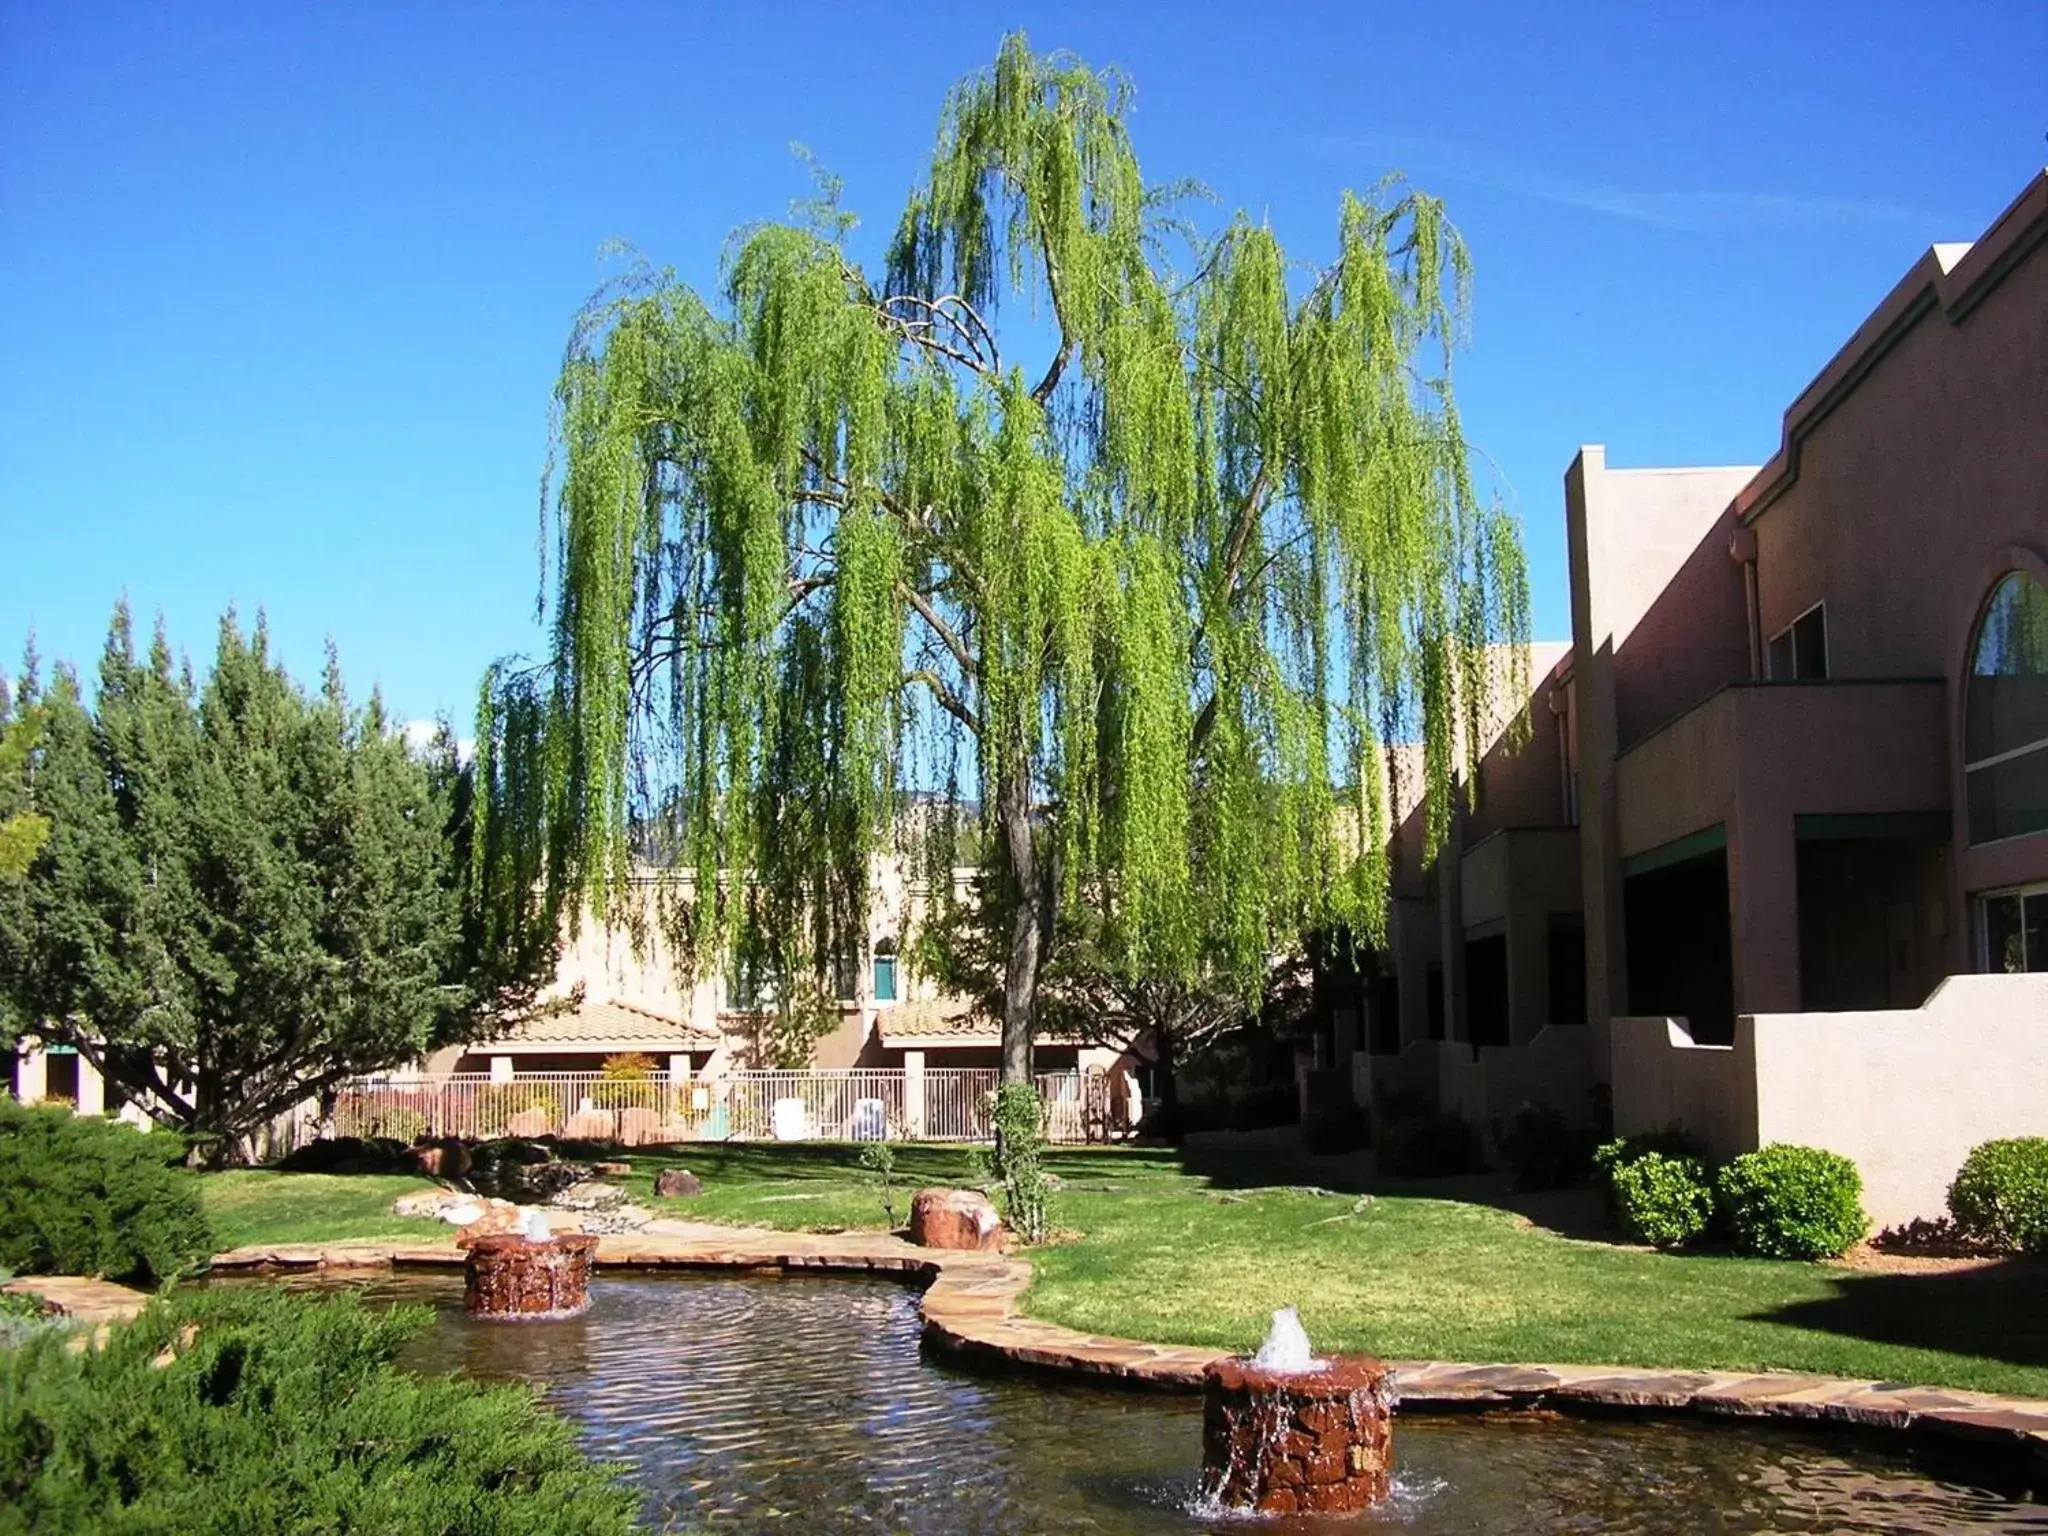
column 2000, row 1198
column 1661, row 1200
column 281, row 1413
column 1018, row 1163
column 1544, row 1148
column 346, row 1154
column 1330, row 1132
column 1788, row 1202
column 1428, row 1146
column 1626, row 1149
column 85, row 1196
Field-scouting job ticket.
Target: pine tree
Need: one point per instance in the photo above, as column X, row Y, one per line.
column 246, row 894
column 1152, row 606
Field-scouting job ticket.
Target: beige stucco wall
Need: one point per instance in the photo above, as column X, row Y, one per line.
column 1904, row 1093
column 1554, row 1068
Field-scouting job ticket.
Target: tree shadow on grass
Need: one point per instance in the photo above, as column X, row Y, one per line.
column 1575, row 1213
column 1994, row 1312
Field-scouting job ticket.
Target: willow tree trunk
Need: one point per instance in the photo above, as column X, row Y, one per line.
column 1166, row 1085
column 1030, row 922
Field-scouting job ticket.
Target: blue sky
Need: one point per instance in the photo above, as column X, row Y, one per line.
column 283, row 287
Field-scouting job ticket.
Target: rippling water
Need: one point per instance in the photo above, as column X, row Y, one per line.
column 804, row 1406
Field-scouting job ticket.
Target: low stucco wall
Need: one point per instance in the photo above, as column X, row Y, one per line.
column 1903, row 1093
column 1555, row 1068
column 1662, row 1078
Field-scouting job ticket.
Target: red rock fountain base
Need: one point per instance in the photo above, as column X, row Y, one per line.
column 515, row 1279
column 1316, row 1442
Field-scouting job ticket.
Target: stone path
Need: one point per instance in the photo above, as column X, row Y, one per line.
column 970, row 1310
column 97, row 1302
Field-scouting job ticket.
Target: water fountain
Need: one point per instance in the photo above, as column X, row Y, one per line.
column 530, row 1274
column 1287, row 1433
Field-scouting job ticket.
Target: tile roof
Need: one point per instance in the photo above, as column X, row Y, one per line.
column 950, row 1018
column 615, row 1025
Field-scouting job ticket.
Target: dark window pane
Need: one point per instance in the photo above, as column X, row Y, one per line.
column 1781, row 657
column 2010, row 798
column 1810, row 645
column 2037, row 931
column 1567, row 969
column 2005, row 943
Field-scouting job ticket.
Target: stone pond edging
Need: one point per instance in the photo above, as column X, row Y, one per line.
column 970, row 1309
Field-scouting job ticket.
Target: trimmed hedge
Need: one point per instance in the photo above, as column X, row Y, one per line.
column 1664, row 1201
column 85, row 1196
column 1787, row 1202
column 281, row 1413
column 2000, row 1198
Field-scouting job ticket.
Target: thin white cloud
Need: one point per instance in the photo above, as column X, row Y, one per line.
column 1689, row 212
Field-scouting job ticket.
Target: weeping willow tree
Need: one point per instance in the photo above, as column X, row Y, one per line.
column 1140, row 562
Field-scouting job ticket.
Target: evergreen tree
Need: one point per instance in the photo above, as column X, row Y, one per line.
column 246, row 894
column 1152, row 605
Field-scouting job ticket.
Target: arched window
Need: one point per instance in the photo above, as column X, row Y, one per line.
column 885, row 971
column 2005, row 734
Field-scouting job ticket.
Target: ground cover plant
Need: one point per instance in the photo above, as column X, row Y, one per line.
column 257, row 1412
column 1199, row 1246
column 85, row 1196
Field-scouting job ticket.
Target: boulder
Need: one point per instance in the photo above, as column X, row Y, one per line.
column 678, row 1184
column 496, row 1220
column 589, row 1125
column 639, row 1125
column 611, row 1170
column 447, row 1158
column 429, row 1203
column 529, row 1122
column 590, row 1195
column 954, row 1218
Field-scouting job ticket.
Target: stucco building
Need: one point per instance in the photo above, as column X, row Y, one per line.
column 1794, row 761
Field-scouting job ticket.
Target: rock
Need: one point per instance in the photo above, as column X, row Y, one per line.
column 639, row 1126
column 462, row 1213
column 497, row 1220
column 429, row 1202
column 623, row 1218
column 611, row 1170
column 530, row 1122
column 589, row 1125
column 447, row 1158
column 678, row 1184
column 590, row 1195
column 954, row 1218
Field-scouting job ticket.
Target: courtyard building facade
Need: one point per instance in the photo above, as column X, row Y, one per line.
column 1793, row 763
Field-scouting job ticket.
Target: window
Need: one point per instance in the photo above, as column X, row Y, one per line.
column 2005, row 731
column 752, row 988
column 2014, row 926
column 885, row 971
column 1799, row 651
column 1567, row 968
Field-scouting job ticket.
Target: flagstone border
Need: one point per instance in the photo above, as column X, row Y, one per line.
column 970, row 1309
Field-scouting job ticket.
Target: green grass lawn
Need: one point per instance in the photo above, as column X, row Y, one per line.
column 1200, row 1248
column 252, row 1205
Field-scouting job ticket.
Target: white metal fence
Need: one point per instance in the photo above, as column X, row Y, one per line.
column 857, row 1104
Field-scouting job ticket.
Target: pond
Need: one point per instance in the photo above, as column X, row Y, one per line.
column 745, row 1405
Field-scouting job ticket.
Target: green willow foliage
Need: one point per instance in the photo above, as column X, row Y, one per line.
column 1152, row 607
